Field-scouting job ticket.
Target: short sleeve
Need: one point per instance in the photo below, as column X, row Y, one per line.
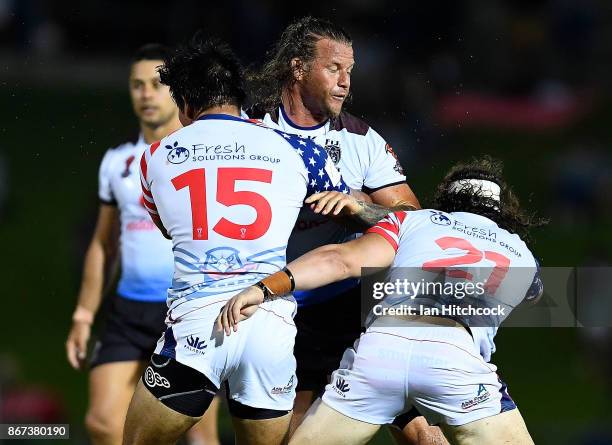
column 390, row 227
column 105, row 191
column 536, row 289
column 145, row 182
column 384, row 168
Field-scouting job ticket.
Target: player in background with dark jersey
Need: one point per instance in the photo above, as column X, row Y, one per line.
column 301, row 89
column 137, row 312
column 433, row 364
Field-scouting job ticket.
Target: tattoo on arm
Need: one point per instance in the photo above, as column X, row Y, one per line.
column 370, row 213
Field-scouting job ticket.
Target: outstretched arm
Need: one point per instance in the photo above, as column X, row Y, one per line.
column 317, row 268
column 336, row 262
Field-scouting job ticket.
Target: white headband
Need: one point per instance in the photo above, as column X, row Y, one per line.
column 481, row 187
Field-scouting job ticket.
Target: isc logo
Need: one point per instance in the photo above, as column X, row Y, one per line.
column 153, row 379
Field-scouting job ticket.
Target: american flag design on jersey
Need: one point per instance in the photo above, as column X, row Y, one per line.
column 322, row 174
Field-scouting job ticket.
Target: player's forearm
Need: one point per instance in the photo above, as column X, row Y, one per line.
column 322, row 266
column 369, row 214
column 360, row 196
column 90, row 294
column 315, row 269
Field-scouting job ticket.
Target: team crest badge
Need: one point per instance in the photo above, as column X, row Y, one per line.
column 398, row 167
column 333, row 150
column 224, row 262
column 223, row 259
column 128, row 163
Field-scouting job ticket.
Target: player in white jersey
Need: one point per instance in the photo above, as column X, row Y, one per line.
column 137, row 311
column 301, row 89
column 227, row 191
column 421, row 361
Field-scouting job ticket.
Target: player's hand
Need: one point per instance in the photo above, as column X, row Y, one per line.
column 238, row 308
column 76, row 345
column 334, row 203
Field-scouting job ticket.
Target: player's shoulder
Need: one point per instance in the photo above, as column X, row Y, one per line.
column 173, row 143
column 121, row 150
column 299, row 143
column 126, row 144
column 429, row 214
column 398, row 217
column 350, row 123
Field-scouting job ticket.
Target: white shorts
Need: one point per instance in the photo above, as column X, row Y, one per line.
column 257, row 362
column 433, row 371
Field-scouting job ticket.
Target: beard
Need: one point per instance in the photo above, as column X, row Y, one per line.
column 332, row 112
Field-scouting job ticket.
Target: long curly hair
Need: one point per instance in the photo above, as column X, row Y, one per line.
column 506, row 212
column 298, row 41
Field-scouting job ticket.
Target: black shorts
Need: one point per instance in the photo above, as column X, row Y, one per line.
column 131, row 331
column 324, row 331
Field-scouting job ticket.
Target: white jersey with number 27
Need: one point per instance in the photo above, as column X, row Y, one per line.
column 463, row 247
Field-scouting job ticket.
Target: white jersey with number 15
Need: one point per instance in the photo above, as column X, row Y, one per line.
column 228, row 192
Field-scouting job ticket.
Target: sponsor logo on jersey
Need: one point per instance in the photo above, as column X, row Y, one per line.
column 194, row 344
column 487, row 234
column 153, row 379
column 481, row 396
column 283, row 389
column 333, row 150
column 177, row 155
column 234, row 151
column 341, row 387
column 142, row 225
column 440, row 219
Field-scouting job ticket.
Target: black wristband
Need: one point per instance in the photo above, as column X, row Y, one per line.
column 290, row 275
column 265, row 289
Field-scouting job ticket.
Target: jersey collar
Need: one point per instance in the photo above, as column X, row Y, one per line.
column 226, row 117
column 483, row 219
column 296, row 126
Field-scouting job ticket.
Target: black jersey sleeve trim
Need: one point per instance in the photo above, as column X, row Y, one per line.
column 369, row 190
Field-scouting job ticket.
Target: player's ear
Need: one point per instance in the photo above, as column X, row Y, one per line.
column 297, row 67
column 186, row 115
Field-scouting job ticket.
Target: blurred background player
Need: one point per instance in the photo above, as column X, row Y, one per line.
column 430, row 364
column 137, row 312
column 301, row 89
column 227, row 191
